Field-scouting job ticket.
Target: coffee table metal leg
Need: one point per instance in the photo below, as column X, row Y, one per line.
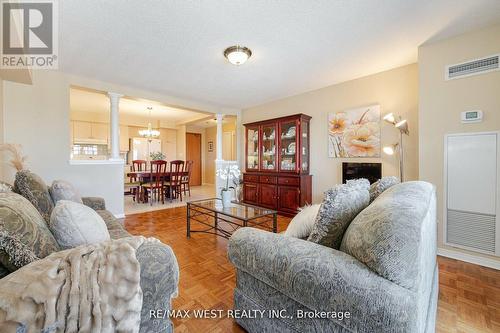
column 188, row 219
column 216, row 224
column 275, row 223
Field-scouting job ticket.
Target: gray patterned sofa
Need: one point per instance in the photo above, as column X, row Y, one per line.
column 385, row 274
column 158, row 264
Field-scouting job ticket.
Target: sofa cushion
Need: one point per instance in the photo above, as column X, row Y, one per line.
column 115, row 228
column 386, row 235
column 381, row 185
column 74, row 224
column 33, row 188
column 339, row 207
column 5, row 187
column 302, row 224
column 22, row 222
column 63, row 190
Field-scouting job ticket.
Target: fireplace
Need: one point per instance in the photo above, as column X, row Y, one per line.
column 370, row 171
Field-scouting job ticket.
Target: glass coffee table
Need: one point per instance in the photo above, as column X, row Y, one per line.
column 209, row 216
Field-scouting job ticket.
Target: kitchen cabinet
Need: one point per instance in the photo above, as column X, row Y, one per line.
column 82, row 130
column 277, row 164
column 100, row 131
column 89, row 132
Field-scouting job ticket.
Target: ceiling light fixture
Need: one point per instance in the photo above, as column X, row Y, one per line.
column 237, row 55
column 149, row 133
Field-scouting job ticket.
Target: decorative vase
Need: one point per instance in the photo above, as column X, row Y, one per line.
column 239, row 193
column 226, row 196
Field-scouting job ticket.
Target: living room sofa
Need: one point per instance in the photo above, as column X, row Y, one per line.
column 384, row 275
column 159, row 271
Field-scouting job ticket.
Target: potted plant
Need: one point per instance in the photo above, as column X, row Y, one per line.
column 230, row 173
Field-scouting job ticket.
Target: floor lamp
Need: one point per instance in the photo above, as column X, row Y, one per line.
column 402, row 126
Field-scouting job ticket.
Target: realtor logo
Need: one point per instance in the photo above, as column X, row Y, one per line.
column 29, row 34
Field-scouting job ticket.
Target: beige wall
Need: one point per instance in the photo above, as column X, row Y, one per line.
column 181, row 142
column 210, row 135
column 442, row 101
column 210, row 157
column 37, row 117
column 395, row 90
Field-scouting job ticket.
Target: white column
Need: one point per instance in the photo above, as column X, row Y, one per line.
column 114, row 120
column 219, row 117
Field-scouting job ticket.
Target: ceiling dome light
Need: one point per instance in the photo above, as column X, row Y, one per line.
column 237, row 55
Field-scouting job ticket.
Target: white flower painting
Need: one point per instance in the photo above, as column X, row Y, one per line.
column 354, row 133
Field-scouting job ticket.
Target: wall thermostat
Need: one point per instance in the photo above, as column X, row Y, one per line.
column 471, row 116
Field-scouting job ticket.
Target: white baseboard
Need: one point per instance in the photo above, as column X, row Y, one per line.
column 119, row 216
column 473, row 259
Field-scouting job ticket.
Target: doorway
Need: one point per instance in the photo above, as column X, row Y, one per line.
column 193, row 153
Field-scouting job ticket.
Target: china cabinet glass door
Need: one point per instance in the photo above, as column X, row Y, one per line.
column 253, row 148
column 304, row 152
column 288, row 148
column 269, row 147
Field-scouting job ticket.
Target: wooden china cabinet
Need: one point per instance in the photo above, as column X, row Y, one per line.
column 277, row 164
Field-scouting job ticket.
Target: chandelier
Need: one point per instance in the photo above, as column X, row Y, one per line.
column 149, row 133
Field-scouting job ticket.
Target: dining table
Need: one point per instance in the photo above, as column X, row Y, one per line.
column 145, row 176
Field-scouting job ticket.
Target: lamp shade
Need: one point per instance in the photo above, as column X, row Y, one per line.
column 402, row 125
column 389, row 118
column 389, row 150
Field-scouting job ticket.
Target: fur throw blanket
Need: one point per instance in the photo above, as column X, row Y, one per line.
column 93, row 288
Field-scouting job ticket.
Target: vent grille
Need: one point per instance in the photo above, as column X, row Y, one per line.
column 474, row 67
column 473, row 230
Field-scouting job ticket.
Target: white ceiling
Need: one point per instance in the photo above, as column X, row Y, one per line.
column 98, row 102
column 175, row 47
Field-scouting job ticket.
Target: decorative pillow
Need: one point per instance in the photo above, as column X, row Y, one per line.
column 33, row 188
column 302, row 224
column 340, row 206
column 381, row 185
column 22, row 226
column 387, row 236
column 74, row 224
column 63, row 190
column 5, row 187
column 20, row 254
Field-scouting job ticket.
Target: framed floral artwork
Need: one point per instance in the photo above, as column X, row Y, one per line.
column 354, row 132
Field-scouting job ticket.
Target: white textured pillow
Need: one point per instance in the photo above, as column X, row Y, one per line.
column 381, row 185
column 302, row 224
column 74, row 224
column 63, row 190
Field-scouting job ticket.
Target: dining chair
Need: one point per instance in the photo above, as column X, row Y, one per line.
column 174, row 183
column 154, row 188
column 186, row 178
column 134, row 184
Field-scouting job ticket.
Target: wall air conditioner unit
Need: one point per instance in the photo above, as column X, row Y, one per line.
column 472, row 67
column 472, row 191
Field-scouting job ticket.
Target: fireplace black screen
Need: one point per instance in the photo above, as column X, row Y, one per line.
column 370, row 171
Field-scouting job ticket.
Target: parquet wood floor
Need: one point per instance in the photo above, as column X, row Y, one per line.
column 469, row 296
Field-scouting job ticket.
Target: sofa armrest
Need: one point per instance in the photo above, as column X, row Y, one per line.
column 95, row 203
column 159, row 281
column 324, row 279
